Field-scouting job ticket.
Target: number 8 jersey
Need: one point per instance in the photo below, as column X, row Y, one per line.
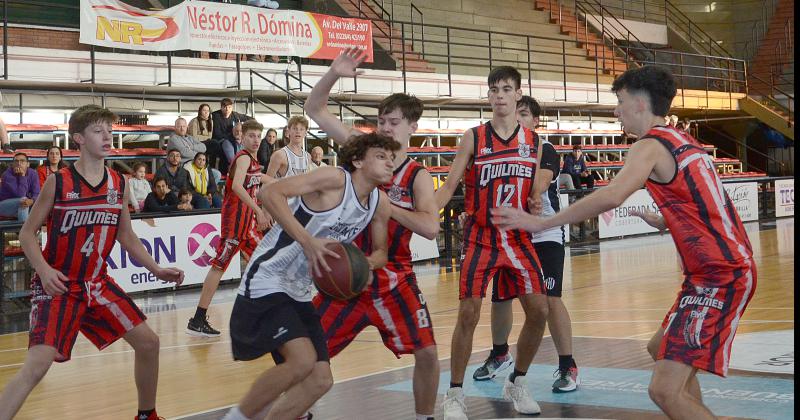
column 501, row 174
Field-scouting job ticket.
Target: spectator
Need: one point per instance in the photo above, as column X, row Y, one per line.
column 184, row 143
column 222, row 121
column 55, row 161
column 200, row 127
column 5, row 141
column 172, row 172
column 139, row 186
column 231, row 147
column 161, row 199
column 19, row 188
column 316, row 158
column 266, row 148
column 673, row 120
column 203, row 180
column 185, row 199
column 575, row 166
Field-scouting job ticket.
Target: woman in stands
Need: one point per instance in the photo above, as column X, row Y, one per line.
column 140, row 187
column 55, row 161
column 203, row 180
column 201, row 127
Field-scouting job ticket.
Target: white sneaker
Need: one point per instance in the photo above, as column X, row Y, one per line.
column 519, row 394
column 454, row 406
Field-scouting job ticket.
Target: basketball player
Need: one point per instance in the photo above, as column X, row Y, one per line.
column 291, row 159
column 273, row 311
column 498, row 162
column 242, row 221
column 393, row 303
column 85, row 207
column 711, row 240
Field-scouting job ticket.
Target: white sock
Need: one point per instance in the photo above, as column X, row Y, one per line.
column 424, row 416
column 235, row 414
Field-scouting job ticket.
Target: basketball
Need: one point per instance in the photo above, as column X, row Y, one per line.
column 349, row 273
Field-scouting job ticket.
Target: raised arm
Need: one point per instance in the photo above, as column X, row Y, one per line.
column 424, row 219
column 463, row 158
column 345, row 65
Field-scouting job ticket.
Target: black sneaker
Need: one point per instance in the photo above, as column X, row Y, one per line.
column 201, row 328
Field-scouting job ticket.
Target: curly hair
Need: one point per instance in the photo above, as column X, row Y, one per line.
column 654, row 81
column 357, row 146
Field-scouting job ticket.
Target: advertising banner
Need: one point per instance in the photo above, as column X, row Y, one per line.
column 422, row 248
column 744, row 196
column 221, row 27
column 620, row 222
column 784, row 197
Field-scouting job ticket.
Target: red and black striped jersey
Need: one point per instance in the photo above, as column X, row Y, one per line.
column 501, row 173
column 705, row 226
column 82, row 228
column 238, row 220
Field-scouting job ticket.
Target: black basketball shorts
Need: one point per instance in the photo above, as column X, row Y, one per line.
column 551, row 257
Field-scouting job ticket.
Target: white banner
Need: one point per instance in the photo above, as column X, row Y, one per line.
column 423, row 249
column 226, row 28
column 620, row 222
column 784, row 197
column 744, row 196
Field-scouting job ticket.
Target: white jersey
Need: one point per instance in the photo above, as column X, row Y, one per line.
column 296, row 165
column 279, row 265
column 550, row 206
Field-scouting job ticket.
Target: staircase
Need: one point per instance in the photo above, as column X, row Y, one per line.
column 387, row 36
column 770, row 113
column 593, row 44
column 775, row 51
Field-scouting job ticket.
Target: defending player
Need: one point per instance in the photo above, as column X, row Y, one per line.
column 291, row 159
column 498, row 162
column 242, row 222
column 715, row 252
column 85, row 207
column 394, row 292
column 273, row 311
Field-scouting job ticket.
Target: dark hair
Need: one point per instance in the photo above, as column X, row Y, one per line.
column 357, row 146
column 173, row 150
column 409, row 105
column 21, row 154
column 183, row 191
column 654, row 81
column 576, row 147
column 160, row 178
column 88, row 115
column 201, row 122
column 138, row 165
column 197, row 155
column 530, row 103
column 61, row 163
column 504, row 73
column 225, row 102
column 273, row 131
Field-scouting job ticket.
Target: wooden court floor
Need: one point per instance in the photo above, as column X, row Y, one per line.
column 617, row 292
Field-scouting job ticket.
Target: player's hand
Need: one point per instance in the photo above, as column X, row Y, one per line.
column 53, row 281
column 25, row 202
column 507, row 218
column 462, row 219
column 346, row 64
column 649, row 217
column 535, row 205
column 316, row 251
column 263, row 219
column 170, row 274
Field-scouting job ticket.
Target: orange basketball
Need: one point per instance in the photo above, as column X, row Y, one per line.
column 349, row 273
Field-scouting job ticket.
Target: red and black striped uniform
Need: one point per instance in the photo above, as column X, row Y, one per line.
column 393, row 303
column 716, row 254
column 501, row 175
column 239, row 226
column 81, row 232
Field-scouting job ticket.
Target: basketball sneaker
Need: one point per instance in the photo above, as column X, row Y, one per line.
column 493, row 366
column 566, row 380
column 201, row 328
column 454, row 406
column 518, row 393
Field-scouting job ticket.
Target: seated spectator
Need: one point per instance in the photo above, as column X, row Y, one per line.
column 200, row 127
column 177, row 178
column 316, row 158
column 231, row 147
column 139, row 186
column 222, row 122
column 203, row 180
column 55, row 161
column 266, row 148
column 673, row 120
column 575, row 166
column 19, row 189
column 185, row 199
column 161, row 199
column 181, row 141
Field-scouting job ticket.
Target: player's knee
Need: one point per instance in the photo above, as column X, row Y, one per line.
column 662, row 392
column 652, row 349
column 537, row 308
column 35, row 371
column 148, row 343
column 469, row 313
column 427, row 357
column 321, row 380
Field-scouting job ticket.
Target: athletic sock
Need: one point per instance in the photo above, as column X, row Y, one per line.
column 424, row 416
column 145, row 414
column 235, row 414
column 200, row 314
column 565, row 362
column 456, row 384
column 514, row 375
column 499, row 350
